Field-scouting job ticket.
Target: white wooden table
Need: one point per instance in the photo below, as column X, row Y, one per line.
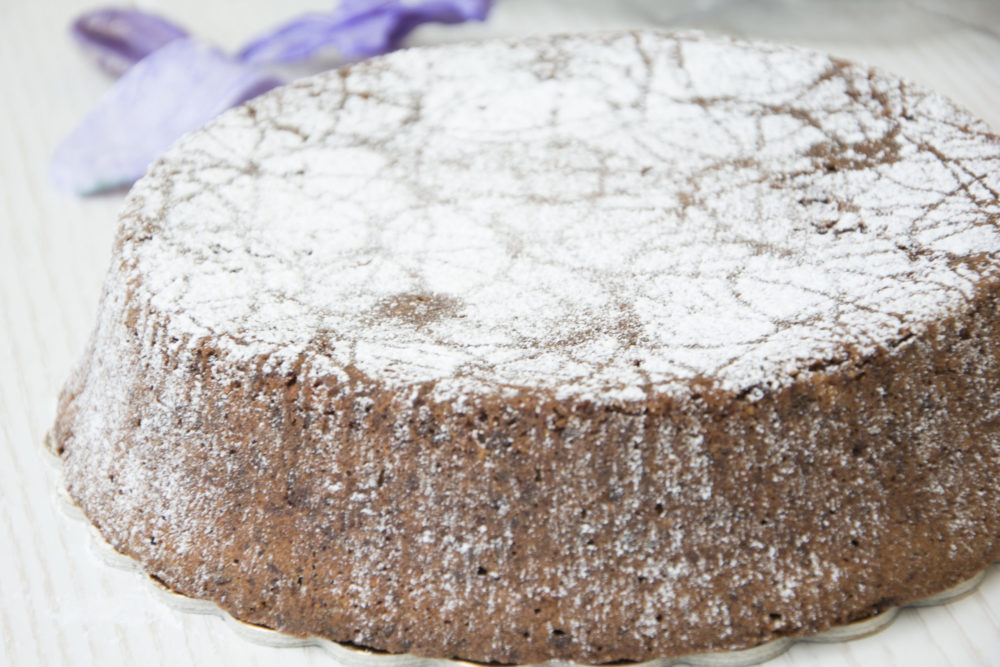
column 59, row 604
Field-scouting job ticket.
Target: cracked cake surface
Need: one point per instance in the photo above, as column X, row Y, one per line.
column 595, row 347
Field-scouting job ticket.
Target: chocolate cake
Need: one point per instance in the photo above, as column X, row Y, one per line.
column 602, row 347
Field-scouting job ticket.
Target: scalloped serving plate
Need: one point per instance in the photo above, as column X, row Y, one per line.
column 352, row 656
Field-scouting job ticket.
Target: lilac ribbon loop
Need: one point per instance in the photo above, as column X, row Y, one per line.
column 119, row 38
column 358, row 28
column 174, row 90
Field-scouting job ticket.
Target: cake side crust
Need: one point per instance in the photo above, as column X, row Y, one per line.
column 528, row 528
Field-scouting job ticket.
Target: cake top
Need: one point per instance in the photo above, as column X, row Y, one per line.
column 606, row 216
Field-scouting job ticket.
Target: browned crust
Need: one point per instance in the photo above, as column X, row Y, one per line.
column 883, row 467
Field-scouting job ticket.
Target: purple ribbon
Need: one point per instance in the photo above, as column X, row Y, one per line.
column 358, row 28
column 170, row 83
column 119, row 38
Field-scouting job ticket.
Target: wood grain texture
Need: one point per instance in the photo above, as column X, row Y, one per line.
column 59, row 604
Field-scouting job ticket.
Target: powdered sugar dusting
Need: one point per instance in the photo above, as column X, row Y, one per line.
column 601, row 216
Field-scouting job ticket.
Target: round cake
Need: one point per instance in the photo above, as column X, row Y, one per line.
column 599, row 348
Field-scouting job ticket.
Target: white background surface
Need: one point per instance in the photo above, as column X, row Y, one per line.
column 59, row 604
